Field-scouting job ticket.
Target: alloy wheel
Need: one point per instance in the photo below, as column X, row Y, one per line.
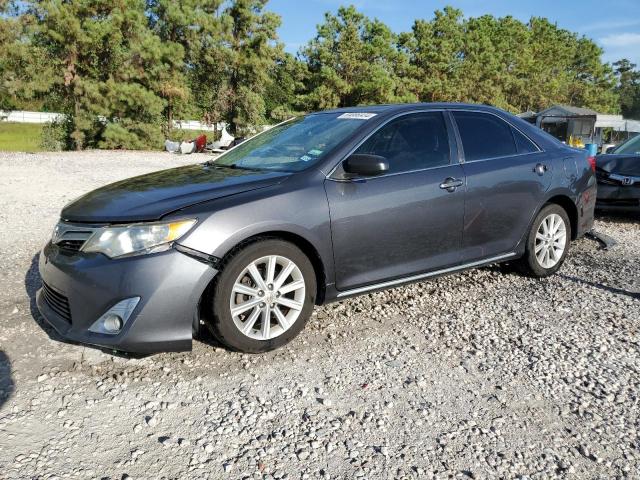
column 267, row 297
column 551, row 240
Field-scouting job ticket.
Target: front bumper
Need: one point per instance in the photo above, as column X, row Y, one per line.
column 618, row 197
column 169, row 284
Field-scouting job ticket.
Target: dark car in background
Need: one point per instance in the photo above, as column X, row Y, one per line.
column 618, row 174
column 317, row 209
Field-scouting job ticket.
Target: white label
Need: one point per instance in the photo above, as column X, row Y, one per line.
column 357, row 115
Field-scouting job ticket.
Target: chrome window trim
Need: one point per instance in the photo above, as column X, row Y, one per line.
column 329, row 176
column 461, row 146
column 504, row 156
column 386, row 175
column 412, row 278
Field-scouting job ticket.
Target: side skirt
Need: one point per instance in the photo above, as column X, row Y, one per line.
column 415, row 278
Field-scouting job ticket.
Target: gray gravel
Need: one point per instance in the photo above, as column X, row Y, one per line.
column 477, row 375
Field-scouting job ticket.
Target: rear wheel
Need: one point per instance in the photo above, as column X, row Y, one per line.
column 547, row 243
column 264, row 296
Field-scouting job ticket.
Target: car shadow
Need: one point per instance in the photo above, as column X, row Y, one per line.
column 32, row 283
column 606, row 288
column 7, row 386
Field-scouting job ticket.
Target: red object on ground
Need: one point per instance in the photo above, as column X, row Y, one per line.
column 201, row 142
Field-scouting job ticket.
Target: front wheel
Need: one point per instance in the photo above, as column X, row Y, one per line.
column 547, row 243
column 263, row 297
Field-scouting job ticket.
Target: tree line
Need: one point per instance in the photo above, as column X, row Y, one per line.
column 123, row 70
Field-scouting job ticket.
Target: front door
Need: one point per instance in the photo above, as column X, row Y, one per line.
column 406, row 221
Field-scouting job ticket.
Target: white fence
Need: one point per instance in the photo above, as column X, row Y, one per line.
column 195, row 125
column 20, row 116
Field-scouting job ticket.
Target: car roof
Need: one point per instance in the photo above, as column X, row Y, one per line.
column 542, row 138
column 401, row 107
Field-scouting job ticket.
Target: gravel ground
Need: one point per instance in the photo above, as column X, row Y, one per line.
column 476, row 375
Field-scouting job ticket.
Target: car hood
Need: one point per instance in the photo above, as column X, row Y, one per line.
column 152, row 196
column 620, row 164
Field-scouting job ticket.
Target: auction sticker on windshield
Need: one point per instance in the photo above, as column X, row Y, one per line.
column 357, row 115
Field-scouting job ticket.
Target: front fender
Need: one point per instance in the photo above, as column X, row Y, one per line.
column 225, row 223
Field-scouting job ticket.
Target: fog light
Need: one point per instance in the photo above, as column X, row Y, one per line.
column 112, row 323
column 113, row 320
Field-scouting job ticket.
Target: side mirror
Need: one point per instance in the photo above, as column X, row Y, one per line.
column 366, row 165
column 610, row 149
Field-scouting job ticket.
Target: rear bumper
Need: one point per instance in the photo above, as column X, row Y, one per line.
column 169, row 285
column 586, row 208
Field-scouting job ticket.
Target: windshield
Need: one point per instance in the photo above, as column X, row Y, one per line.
column 294, row 145
column 631, row 147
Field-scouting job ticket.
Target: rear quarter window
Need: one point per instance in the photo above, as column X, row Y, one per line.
column 484, row 136
column 523, row 144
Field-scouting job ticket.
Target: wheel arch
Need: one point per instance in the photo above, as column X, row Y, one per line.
column 570, row 207
column 564, row 200
column 299, row 241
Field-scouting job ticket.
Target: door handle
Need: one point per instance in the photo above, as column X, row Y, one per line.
column 450, row 184
column 540, row 169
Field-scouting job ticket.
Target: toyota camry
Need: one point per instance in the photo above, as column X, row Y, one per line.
column 317, row 209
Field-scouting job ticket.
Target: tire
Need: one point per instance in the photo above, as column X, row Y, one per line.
column 244, row 283
column 547, row 243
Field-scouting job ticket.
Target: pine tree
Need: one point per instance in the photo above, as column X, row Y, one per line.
column 507, row 63
column 628, row 88
column 178, row 23
column 250, row 32
column 122, row 71
column 108, row 70
column 24, row 71
column 435, row 49
column 354, row 60
column 284, row 94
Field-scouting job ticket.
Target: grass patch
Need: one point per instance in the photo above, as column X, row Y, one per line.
column 27, row 137
column 20, row 137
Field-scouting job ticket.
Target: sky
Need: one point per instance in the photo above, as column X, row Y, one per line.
column 613, row 24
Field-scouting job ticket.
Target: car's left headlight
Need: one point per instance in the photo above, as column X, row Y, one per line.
column 137, row 239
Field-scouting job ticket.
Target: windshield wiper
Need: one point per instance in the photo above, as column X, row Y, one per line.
column 212, row 163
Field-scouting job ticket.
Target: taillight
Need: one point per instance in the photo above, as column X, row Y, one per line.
column 592, row 162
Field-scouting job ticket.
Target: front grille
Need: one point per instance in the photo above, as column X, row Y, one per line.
column 622, row 179
column 57, row 302
column 71, row 245
column 70, row 237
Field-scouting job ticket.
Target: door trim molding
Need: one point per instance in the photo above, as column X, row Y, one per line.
column 395, row 174
column 413, row 278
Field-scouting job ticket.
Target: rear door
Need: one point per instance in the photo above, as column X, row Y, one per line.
column 507, row 177
column 403, row 222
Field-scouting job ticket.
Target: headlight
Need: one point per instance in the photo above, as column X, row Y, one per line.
column 137, row 239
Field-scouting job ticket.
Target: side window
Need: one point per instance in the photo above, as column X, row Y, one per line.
column 411, row 142
column 484, row 136
column 523, row 143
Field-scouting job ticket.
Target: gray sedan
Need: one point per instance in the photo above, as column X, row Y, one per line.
column 317, row 209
